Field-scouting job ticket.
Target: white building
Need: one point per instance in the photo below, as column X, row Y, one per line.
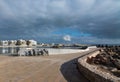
column 4, row 43
column 12, row 42
column 33, row 42
column 19, row 42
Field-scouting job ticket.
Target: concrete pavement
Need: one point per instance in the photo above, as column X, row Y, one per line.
column 55, row 68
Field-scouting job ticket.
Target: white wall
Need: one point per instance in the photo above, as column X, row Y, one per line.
column 64, row 51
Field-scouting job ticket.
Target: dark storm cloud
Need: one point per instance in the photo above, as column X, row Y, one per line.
column 40, row 18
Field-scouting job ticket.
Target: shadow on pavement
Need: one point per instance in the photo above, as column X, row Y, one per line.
column 71, row 73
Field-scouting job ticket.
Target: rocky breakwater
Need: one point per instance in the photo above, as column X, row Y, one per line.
column 101, row 66
column 108, row 59
column 32, row 52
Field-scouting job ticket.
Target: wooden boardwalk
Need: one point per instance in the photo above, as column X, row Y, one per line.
column 58, row 68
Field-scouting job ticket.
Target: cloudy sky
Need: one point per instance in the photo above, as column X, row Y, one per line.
column 59, row 21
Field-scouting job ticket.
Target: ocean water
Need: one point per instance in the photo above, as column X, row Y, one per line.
column 8, row 50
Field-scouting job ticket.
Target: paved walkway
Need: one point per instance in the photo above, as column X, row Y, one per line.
column 58, row 68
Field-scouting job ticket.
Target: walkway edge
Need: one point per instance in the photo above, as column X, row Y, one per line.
column 91, row 72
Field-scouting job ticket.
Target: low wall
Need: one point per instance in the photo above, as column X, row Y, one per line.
column 57, row 51
column 92, row 72
column 50, row 51
column 53, row 51
column 64, row 51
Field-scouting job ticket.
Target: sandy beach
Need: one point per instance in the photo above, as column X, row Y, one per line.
column 54, row 68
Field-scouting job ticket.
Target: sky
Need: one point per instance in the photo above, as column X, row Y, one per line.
column 61, row 21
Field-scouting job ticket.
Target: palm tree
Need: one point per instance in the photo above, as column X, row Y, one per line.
column 28, row 42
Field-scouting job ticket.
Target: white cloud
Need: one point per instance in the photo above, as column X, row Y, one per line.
column 67, row 38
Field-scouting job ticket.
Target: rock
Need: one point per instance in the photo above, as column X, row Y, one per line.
column 90, row 60
column 116, row 72
column 117, row 63
column 113, row 69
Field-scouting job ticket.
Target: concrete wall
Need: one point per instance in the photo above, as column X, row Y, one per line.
column 92, row 72
column 64, row 51
column 53, row 51
column 57, row 51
